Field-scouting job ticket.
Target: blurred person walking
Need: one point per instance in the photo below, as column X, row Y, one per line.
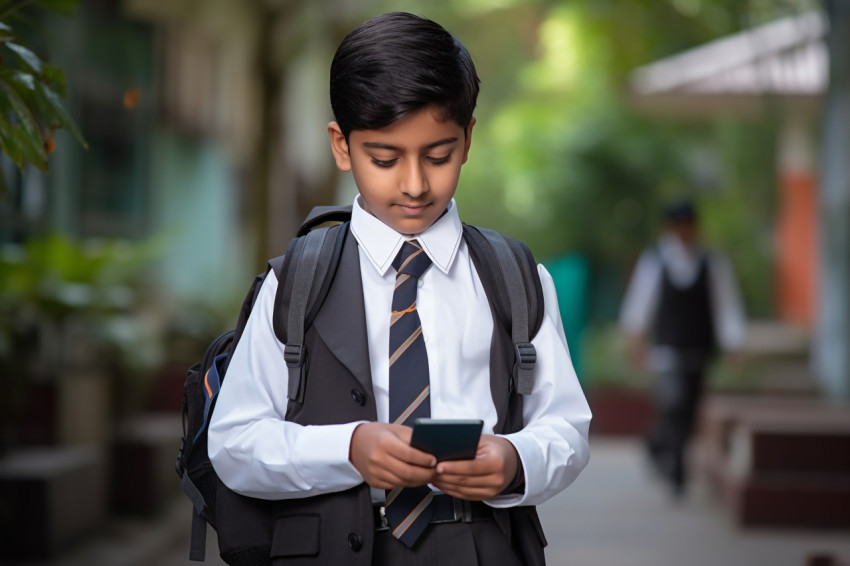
column 682, row 306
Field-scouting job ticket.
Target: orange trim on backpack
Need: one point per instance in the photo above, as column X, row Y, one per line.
column 207, row 383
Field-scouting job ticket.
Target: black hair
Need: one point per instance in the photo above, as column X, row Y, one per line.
column 680, row 211
column 395, row 64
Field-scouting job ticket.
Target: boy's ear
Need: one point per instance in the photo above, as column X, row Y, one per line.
column 339, row 147
column 468, row 139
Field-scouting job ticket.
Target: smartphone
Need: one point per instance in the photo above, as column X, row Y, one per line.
column 447, row 439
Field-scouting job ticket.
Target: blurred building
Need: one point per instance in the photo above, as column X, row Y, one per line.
column 207, row 144
column 205, row 125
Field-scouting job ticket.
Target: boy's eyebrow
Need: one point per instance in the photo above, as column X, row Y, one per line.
column 381, row 145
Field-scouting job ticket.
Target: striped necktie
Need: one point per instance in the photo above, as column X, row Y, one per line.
column 408, row 509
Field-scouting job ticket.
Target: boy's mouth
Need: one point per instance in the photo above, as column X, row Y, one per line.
column 413, row 209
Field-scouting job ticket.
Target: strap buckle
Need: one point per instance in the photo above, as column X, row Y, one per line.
column 381, row 523
column 526, row 357
column 293, row 354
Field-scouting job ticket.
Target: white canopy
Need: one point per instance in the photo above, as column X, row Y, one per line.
column 786, row 58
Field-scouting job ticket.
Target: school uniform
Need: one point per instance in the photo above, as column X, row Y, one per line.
column 687, row 301
column 266, row 447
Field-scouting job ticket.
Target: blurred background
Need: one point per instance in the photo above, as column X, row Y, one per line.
column 156, row 153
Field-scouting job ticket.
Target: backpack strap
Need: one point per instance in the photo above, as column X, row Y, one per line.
column 510, row 270
column 198, row 537
column 324, row 214
column 312, row 258
column 303, row 282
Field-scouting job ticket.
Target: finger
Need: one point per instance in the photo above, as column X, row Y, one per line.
column 403, row 432
column 388, row 479
column 477, row 467
column 408, row 475
column 415, row 456
column 403, row 451
column 469, row 494
column 463, row 482
column 383, row 470
column 394, row 448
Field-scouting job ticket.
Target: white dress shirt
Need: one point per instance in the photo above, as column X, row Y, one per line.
column 257, row 453
column 643, row 295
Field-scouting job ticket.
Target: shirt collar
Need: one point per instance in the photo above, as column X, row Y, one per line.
column 381, row 243
column 674, row 249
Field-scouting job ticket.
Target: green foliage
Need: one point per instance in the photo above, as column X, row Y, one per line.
column 30, row 91
column 42, row 266
column 607, row 361
column 579, row 170
column 67, row 308
column 55, row 292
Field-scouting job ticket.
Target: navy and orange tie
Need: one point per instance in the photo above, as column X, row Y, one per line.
column 408, row 509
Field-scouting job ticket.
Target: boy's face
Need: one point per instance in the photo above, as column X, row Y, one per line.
column 407, row 172
column 685, row 230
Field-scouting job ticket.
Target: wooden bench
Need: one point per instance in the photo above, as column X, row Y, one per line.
column 49, row 497
column 143, row 454
column 778, row 461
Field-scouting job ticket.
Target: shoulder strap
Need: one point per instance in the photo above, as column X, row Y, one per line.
column 273, row 264
column 508, row 268
column 322, row 215
column 303, row 282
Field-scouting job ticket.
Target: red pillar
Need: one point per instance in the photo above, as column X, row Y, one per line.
column 796, row 261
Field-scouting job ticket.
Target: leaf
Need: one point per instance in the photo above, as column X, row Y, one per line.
column 52, row 110
column 23, row 83
column 54, row 78
column 6, row 33
column 29, row 58
column 9, row 144
column 15, row 142
column 47, row 101
column 32, row 142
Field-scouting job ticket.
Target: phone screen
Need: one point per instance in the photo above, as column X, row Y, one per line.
column 447, row 439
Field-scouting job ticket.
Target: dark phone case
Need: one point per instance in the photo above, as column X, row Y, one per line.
column 447, row 439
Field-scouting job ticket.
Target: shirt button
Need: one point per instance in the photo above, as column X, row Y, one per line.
column 355, row 543
column 358, row 396
column 420, row 284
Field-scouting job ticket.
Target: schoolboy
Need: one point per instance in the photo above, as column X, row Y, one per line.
column 402, row 91
column 681, row 309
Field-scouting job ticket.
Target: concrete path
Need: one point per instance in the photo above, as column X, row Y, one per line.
column 615, row 514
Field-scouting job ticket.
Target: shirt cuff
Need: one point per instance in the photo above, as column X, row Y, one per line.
column 324, row 459
column 517, row 485
column 515, row 492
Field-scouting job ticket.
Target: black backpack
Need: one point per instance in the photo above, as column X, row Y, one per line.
column 304, row 273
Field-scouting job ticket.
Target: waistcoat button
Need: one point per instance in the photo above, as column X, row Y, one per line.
column 358, row 396
column 355, row 542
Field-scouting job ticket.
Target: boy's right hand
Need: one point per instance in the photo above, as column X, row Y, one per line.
column 381, row 452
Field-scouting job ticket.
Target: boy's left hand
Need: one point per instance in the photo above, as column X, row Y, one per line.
column 484, row 477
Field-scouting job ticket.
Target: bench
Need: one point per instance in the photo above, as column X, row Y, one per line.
column 777, row 461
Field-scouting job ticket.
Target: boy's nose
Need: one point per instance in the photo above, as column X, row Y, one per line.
column 415, row 183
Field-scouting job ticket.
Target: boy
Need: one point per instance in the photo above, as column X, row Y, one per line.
column 339, row 465
column 684, row 300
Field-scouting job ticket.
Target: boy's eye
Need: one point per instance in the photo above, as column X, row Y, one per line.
column 438, row 160
column 384, row 162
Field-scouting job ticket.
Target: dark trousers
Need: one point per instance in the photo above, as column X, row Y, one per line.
column 677, row 398
column 458, row 544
